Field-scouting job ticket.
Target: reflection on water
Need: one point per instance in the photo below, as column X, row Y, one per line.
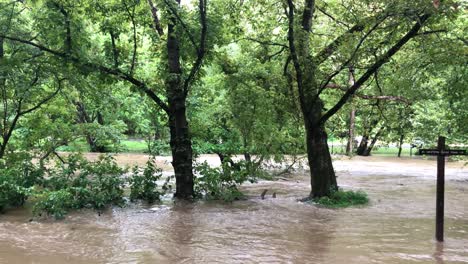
column 397, row 227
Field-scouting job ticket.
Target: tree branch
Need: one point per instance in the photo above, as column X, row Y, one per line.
column 43, row 101
column 132, row 19
column 114, row 72
column 394, row 49
column 371, row 97
column 324, row 54
column 263, row 42
column 323, row 11
column 184, row 26
column 292, row 51
column 202, row 47
column 156, row 24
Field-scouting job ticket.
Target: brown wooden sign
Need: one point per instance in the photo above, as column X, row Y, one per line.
column 441, row 152
column 447, row 152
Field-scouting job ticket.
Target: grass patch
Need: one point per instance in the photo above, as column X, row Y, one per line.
column 134, row 146
column 342, row 199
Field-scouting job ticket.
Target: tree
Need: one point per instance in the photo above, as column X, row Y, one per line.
column 184, row 53
column 26, row 82
column 312, row 76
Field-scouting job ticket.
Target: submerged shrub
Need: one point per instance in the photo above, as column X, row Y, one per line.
column 17, row 177
column 54, row 203
column 81, row 184
column 143, row 186
column 221, row 183
column 341, row 199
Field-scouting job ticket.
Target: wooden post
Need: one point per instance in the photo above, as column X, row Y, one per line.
column 441, row 152
column 440, row 190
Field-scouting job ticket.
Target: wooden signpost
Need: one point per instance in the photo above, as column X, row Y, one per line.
column 441, row 152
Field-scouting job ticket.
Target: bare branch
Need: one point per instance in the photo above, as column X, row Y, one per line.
column 346, row 63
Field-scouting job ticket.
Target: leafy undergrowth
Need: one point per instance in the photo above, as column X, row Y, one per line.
column 221, row 183
column 343, row 199
column 76, row 183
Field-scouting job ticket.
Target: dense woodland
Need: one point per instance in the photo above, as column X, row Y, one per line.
column 261, row 79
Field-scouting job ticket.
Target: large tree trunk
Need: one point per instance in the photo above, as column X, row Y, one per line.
column 181, row 144
column 181, row 147
column 322, row 175
column 323, row 179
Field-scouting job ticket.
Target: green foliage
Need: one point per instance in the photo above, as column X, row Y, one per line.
column 143, row 186
column 81, row 184
column 221, row 183
column 16, row 182
column 54, row 203
column 342, row 199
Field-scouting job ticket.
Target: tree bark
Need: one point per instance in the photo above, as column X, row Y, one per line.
column 181, row 148
column 368, row 150
column 352, row 120
column 181, row 144
column 323, row 178
column 400, row 145
column 352, row 116
column 84, row 118
column 363, row 145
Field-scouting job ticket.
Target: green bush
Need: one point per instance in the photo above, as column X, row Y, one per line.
column 341, row 199
column 221, row 183
column 54, row 203
column 16, row 181
column 81, row 184
column 143, row 186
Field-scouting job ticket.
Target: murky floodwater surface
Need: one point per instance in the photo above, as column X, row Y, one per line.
column 397, row 227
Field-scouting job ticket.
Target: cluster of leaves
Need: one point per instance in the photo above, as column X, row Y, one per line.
column 340, row 199
column 81, row 184
column 16, row 182
column 144, row 186
column 96, row 185
column 221, row 183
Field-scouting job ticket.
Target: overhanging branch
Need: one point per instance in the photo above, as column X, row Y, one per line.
column 394, row 49
column 103, row 69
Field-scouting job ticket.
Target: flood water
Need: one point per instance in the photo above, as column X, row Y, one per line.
column 397, row 226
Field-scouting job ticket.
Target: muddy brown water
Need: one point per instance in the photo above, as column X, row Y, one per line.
column 397, row 226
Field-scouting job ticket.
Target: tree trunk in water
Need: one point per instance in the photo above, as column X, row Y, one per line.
column 362, row 145
column 400, row 145
column 181, row 148
column 368, row 150
column 322, row 175
column 352, row 118
column 181, row 144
